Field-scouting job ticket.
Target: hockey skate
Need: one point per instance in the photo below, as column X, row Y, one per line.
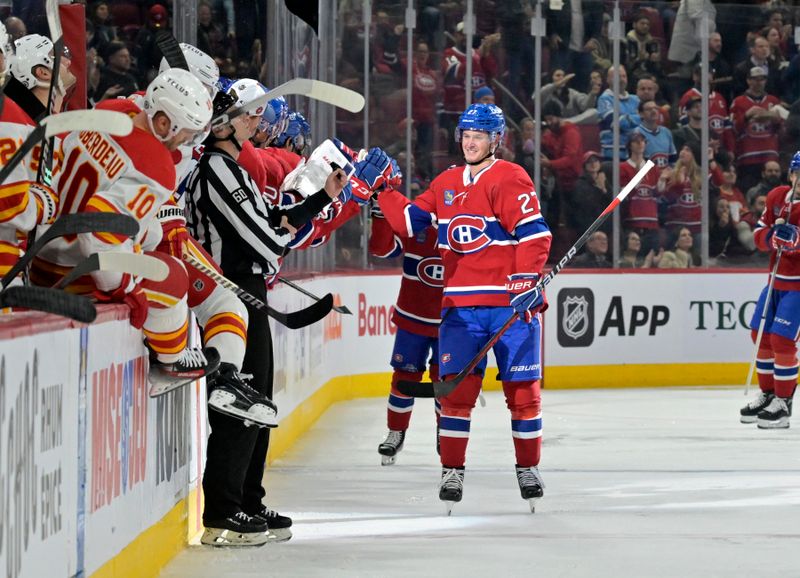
column 749, row 413
column 776, row 415
column 451, row 487
column 235, row 531
column 278, row 527
column 392, row 446
column 233, row 396
column 193, row 364
column 531, row 485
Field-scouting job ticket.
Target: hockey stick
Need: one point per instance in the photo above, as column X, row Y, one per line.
column 57, row 36
column 294, row 320
column 105, row 121
column 171, row 50
column 762, row 323
column 443, row 388
column 135, row 264
column 316, row 89
column 50, row 301
column 338, row 308
column 74, row 224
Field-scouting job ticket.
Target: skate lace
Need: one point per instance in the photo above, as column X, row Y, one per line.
column 530, row 477
column 394, row 438
column 451, row 480
column 758, row 402
column 192, row 357
column 243, row 517
column 776, row 405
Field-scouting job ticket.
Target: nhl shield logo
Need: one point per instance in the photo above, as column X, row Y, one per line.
column 574, row 321
column 575, row 317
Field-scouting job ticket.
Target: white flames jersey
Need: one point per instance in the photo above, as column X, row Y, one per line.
column 132, row 175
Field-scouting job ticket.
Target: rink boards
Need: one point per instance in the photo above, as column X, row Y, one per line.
column 98, row 479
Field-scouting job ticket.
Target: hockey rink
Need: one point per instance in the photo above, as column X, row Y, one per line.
column 640, row 483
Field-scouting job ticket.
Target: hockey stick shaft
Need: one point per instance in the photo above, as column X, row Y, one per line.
column 57, row 36
column 293, row 320
column 443, row 388
column 763, row 321
column 338, row 308
column 75, row 224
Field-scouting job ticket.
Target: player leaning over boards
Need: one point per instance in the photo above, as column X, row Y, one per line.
column 494, row 243
column 777, row 231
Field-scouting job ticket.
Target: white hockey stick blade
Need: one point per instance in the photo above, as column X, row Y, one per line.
column 105, row 121
column 317, row 89
column 135, row 264
column 53, row 20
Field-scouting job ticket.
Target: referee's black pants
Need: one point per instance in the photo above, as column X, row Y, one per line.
column 236, row 455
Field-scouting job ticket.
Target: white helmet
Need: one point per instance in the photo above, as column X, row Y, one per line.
column 246, row 91
column 200, row 64
column 31, row 51
column 181, row 96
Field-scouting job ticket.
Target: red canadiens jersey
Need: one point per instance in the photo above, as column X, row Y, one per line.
column 454, row 71
column 780, row 205
column 684, row 209
column 640, row 209
column 756, row 139
column 489, row 226
column 419, row 304
column 719, row 121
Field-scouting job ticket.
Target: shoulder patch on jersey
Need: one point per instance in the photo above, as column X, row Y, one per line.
column 239, row 195
column 449, row 194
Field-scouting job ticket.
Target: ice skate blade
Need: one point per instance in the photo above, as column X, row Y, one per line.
column 532, row 504
column 748, row 419
column 279, row 535
column 219, row 538
column 162, row 383
column 448, row 504
column 221, row 402
column 779, row 424
column 388, row 460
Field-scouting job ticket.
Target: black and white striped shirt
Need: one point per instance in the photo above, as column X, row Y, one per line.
column 230, row 218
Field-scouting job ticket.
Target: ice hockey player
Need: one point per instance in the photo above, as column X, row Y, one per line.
column 134, row 175
column 416, row 315
column 24, row 203
column 229, row 216
column 494, row 243
column 778, row 232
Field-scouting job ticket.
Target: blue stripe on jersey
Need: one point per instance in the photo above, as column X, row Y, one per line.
column 301, row 234
column 420, row 220
column 531, row 228
column 456, row 424
column 526, row 425
column 457, row 291
column 785, row 372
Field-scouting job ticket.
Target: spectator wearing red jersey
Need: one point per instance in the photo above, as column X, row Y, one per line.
column 756, row 122
column 562, row 149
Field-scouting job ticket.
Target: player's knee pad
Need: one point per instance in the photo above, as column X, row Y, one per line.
column 462, row 399
column 782, row 346
column 174, row 288
column 523, row 398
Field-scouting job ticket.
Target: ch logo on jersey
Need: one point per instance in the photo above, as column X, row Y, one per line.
column 644, row 191
column 716, row 123
column 431, row 271
column 660, row 160
column 758, row 128
column 467, row 234
column 686, row 199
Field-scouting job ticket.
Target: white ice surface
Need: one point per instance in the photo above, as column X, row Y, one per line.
column 640, row 483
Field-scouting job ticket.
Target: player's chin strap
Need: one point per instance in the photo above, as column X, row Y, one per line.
column 212, row 138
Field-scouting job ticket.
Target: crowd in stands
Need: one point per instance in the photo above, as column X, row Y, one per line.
column 754, row 111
